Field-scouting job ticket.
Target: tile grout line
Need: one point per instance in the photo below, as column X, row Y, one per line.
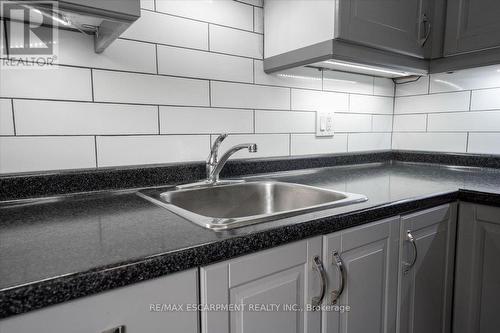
column 92, row 83
column 13, row 117
column 467, row 143
column 254, row 112
column 210, row 93
column 95, row 150
column 156, row 58
column 208, row 39
column 159, row 130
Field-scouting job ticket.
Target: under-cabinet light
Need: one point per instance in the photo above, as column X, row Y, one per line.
column 368, row 68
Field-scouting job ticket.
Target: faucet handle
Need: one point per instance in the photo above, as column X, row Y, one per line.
column 212, row 157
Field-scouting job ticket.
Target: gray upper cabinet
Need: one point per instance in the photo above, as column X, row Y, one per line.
column 427, row 247
column 477, row 280
column 288, row 275
column 394, row 25
column 364, row 261
column 131, row 307
column 472, row 26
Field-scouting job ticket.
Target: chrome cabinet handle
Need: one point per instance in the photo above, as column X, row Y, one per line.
column 337, row 261
column 428, row 28
column 118, row 329
column 409, row 238
column 318, row 267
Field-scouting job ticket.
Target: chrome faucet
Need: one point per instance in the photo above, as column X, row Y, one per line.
column 214, row 165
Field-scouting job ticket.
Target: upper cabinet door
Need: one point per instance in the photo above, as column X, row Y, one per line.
column 472, row 26
column 395, row 25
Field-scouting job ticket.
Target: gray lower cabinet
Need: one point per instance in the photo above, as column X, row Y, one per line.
column 427, row 247
column 477, row 280
column 472, row 26
column 365, row 261
column 130, row 306
column 255, row 284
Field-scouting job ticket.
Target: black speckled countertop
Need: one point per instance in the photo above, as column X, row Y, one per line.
column 52, row 251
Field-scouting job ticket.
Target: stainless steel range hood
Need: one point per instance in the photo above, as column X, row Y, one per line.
column 105, row 19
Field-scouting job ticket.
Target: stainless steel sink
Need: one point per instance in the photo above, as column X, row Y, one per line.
column 222, row 207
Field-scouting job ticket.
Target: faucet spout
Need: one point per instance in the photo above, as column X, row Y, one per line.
column 213, row 177
column 214, row 165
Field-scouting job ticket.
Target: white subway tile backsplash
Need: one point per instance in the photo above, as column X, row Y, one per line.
column 309, row 144
column 237, row 95
column 382, row 123
column 446, row 102
column 268, row 145
column 297, row 77
column 188, row 120
column 6, row 117
column 484, row 143
column 74, row 118
column 467, row 79
column 347, row 82
column 410, row 123
column 258, row 20
column 371, row 104
column 481, row 121
column 151, row 149
column 419, row 87
column 284, row 122
column 309, row 100
column 383, row 87
column 149, row 89
column 236, row 42
column 369, row 141
column 23, row 154
column 345, row 122
column 488, row 99
column 444, row 142
column 148, row 4
column 224, row 12
column 122, row 54
column 58, row 83
column 166, row 29
column 200, row 64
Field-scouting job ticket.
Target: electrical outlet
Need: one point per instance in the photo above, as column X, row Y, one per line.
column 324, row 123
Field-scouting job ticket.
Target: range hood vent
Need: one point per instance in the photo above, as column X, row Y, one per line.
column 106, row 20
column 348, row 57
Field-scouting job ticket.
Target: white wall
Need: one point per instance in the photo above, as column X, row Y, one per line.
column 184, row 72
column 457, row 112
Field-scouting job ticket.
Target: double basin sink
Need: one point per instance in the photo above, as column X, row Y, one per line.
column 222, row 207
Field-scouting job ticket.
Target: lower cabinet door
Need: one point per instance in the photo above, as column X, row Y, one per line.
column 265, row 292
column 362, row 271
column 153, row 306
column 427, row 252
column 477, row 280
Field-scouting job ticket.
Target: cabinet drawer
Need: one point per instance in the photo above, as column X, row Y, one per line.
column 128, row 306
